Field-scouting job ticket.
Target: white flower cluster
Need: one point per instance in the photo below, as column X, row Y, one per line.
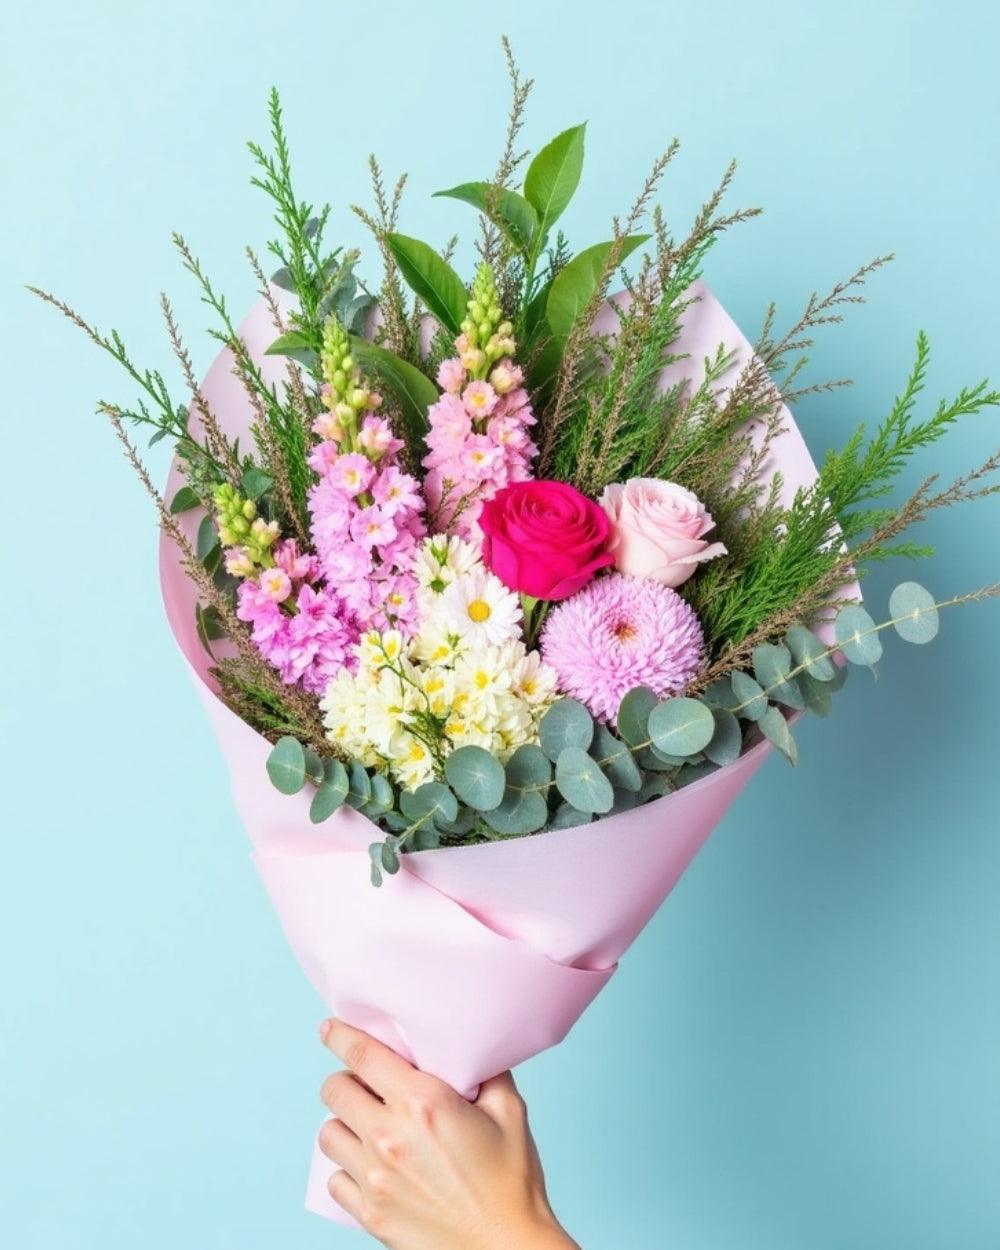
column 465, row 679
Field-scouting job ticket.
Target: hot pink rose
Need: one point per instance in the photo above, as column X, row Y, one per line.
column 544, row 539
column 659, row 528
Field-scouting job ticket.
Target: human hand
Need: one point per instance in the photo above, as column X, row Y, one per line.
column 422, row 1168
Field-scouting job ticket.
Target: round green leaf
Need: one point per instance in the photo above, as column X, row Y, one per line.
column 752, row 702
column 720, row 694
column 772, row 664
column 616, row 760
column 314, row 766
column 681, row 726
column 854, row 631
column 810, row 651
column 775, row 729
column 331, row 793
column 360, row 790
column 476, row 776
column 633, row 715
column 568, row 817
column 566, row 724
column 383, row 797
column 914, row 613
column 816, row 694
column 581, row 781
column 529, row 766
column 521, row 812
column 428, row 801
column 691, row 773
column 390, row 857
column 727, row 741
column 286, row 765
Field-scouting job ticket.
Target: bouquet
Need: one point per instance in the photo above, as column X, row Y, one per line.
column 498, row 586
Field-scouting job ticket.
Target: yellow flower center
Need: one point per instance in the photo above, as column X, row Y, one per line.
column 416, row 754
column 479, row 611
column 529, row 686
column 482, row 679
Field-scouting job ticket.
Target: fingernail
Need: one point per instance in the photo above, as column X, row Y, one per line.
column 324, row 1028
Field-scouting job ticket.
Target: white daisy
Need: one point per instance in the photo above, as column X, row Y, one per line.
column 481, row 609
column 440, row 559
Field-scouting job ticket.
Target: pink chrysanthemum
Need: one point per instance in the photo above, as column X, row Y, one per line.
column 618, row 633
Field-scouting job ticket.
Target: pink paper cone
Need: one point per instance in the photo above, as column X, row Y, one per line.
column 471, row 959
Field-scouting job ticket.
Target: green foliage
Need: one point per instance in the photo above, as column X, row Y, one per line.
column 567, row 723
column 554, row 175
column 432, row 278
column 576, row 283
column 581, row 781
column 286, row 765
column 914, row 613
column 857, row 637
column 681, row 726
column 510, row 212
column 476, row 776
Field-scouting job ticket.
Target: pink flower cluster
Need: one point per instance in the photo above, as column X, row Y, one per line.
column 367, row 518
column 478, row 442
column 303, row 630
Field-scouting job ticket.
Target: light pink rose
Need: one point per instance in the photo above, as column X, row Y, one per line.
column 659, row 529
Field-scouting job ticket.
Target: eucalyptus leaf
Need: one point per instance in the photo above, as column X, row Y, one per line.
column 360, row 790
column 375, row 855
column 286, row 765
column 476, row 776
column 463, row 824
column 655, row 786
column 581, row 782
column 524, row 808
column 428, row 801
column 775, row 728
column 528, row 766
column 425, row 837
column 184, row 500
column 575, row 285
column 633, row 715
column 816, row 694
column 720, row 694
column 752, row 702
column 681, row 726
column 314, row 766
column 567, row 816
column 727, row 741
column 616, row 760
column 567, row 723
column 772, row 666
column 282, row 277
column 854, row 631
column 914, row 613
column 331, row 793
column 624, row 801
column 506, row 209
column 810, row 651
column 390, row 857
column 691, row 773
column 431, row 278
column 383, row 796
column 554, row 175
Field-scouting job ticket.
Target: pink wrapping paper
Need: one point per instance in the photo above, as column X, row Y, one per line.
column 471, row 959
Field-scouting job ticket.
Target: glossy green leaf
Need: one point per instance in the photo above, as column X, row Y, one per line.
column 581, row 782
column 575, row 285
column 681, row 726
column 854, row 631
column 184, row 500
column 292, row 343
column 208, row 626
column 412, row 390
column 914, row 613
column 286, row 765
column 256, row 482
column 554, row 175
column 506, row 209
column 431, row 278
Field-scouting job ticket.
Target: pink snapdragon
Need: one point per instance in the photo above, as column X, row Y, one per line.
column 478, row 442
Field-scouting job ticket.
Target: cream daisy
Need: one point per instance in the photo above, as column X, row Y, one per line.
column 480, row 608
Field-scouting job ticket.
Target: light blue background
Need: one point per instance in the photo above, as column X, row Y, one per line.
column 803, row 1050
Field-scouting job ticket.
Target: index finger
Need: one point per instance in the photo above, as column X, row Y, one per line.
column 381, row 1069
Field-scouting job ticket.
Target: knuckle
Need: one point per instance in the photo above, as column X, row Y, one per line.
column 387, row 1147
column 377, row 1184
